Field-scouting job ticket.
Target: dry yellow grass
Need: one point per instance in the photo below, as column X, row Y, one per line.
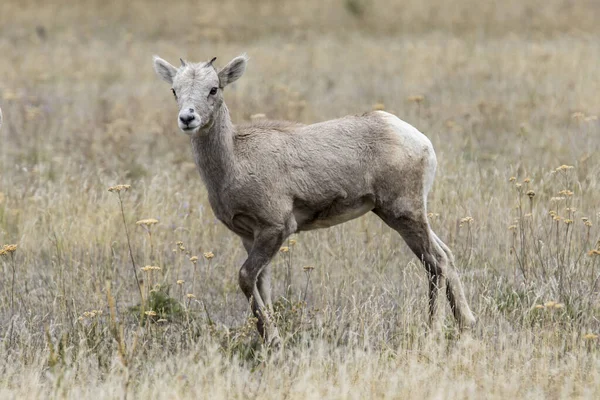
column 503, row 89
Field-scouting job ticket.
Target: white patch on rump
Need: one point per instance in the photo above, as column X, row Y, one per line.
column 415, row 142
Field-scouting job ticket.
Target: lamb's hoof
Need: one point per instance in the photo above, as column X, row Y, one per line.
column 467, row 323
column 274, row 343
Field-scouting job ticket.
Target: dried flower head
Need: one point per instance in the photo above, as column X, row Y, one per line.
column 417, row 98
column 90, row 314
column 566, row 192
column 284, row 249
column 190, row 296
column 590, row 336
column 526, row 180
column 466, row 220
column 254, row 117
column 564, row 168
column 8, row 249
column 512, row 227
column 531, row 194
column 209, row 255
column 593, row 252
column 512, row 179
column 194, row 259
column 147, row 222
column 180, row 281
column 578, row 116
column 378, row 107
column 308, row 268
column 119, row 188
column 549, row 304
column 150, row 313
column 292, row 242
column 539, row 306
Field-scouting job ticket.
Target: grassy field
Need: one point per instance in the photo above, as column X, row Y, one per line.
column 506, row 91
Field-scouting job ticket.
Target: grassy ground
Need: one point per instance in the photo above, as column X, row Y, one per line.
column 507, row 92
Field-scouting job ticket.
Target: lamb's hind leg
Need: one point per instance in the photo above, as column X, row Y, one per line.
column 414, row 228
column 454, row 290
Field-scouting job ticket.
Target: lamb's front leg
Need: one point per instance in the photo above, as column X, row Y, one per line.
column 264, row 278
column 266, row 244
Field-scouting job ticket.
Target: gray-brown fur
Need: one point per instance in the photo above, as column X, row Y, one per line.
column 269, row 179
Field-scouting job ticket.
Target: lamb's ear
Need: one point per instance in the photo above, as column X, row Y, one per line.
column 232, row 71
column 165, row 70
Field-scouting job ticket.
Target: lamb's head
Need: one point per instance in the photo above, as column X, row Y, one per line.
column 198, row 89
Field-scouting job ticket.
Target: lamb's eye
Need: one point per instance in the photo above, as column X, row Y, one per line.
column 174, row 93
column 213, row 91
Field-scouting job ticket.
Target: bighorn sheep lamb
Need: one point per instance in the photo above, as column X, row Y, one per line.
column 269, row 179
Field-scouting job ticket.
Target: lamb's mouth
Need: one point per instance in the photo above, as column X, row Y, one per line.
column 189, row 129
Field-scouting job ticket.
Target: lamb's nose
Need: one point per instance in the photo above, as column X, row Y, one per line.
column 186, row 118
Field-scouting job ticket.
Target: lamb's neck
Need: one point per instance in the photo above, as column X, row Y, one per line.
column 213, row 150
